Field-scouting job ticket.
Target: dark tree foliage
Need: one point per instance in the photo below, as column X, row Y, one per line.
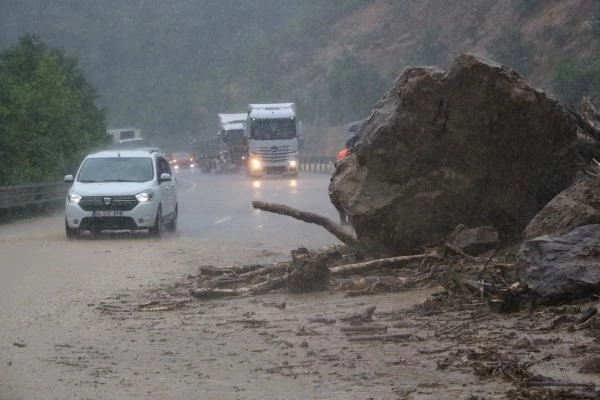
column 48, row 117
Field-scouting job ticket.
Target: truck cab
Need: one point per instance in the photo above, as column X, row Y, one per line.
column 272, row 133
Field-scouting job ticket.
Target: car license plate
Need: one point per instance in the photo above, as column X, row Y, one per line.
column 107, row 213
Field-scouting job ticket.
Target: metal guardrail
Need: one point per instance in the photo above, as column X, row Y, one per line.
column 25, row 195
column 319, row 164
column 54, row 193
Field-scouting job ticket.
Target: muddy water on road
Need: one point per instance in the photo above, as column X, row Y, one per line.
column 78, row 322
column 111, row 318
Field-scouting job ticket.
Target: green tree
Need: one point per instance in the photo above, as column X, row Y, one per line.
column 48, row 118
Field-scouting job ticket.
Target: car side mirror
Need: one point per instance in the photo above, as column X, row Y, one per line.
column 164, row 177
column 68, row 179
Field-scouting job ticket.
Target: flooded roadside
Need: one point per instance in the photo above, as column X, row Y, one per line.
column 77, row 324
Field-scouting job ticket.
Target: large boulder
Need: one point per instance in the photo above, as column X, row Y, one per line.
column 562, row 267
column 475, row 145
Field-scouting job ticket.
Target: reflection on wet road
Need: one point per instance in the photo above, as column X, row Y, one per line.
column 219, row 207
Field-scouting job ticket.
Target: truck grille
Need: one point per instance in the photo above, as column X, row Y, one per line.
column 119, row 203
column 274, row 153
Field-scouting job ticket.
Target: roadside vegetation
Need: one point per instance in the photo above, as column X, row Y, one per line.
column 48, row 117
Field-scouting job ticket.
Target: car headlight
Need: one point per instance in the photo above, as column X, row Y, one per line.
column 293, row 163
column 144, row 196
column 255, row 164
column 73, row 197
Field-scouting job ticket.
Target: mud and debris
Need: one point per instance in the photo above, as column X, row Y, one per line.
column 462, row 323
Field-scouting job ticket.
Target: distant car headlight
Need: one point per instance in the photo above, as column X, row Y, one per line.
column 144, row 196
column 74, row 197
column 293, row 163
column 255, row 164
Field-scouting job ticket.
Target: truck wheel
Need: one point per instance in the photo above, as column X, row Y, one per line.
column 156, row 228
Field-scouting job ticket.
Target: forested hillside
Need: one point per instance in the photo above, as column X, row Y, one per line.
column 170, row 66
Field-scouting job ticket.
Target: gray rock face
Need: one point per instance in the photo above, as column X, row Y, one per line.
column 575, row 206
column 560, row 268
column 475, row 145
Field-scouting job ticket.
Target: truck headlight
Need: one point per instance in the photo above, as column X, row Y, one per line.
column 293, row 163
column 255, row 164
column 73, row 197
column 144, row 196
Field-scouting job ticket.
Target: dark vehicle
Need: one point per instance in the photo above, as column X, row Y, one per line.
column 181, row 160
column 231, row 132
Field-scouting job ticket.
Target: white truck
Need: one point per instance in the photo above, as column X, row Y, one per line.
column 231, row 132
column 126, row 137
column 273, row 139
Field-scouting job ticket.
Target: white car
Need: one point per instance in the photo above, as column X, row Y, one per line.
column 122, row 190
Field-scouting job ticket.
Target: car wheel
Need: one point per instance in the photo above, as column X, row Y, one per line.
column 156, row 228
column 172, row 224
column 72, row 233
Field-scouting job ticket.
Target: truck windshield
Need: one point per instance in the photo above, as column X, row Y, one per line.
column 116, row 169
column 272, row 129
column 233, row 134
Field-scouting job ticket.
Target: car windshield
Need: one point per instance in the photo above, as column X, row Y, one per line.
column 116, row 169
column 275, row 128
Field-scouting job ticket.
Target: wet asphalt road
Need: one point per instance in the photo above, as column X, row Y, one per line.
column 218, row 206
column 51, row 288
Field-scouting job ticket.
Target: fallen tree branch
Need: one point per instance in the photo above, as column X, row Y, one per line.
column 350, row 269
column 281, row 267
column 211, row 293
column 332, row 227
column 232, row 269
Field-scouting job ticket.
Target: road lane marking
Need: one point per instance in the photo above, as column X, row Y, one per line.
column 225, row 219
